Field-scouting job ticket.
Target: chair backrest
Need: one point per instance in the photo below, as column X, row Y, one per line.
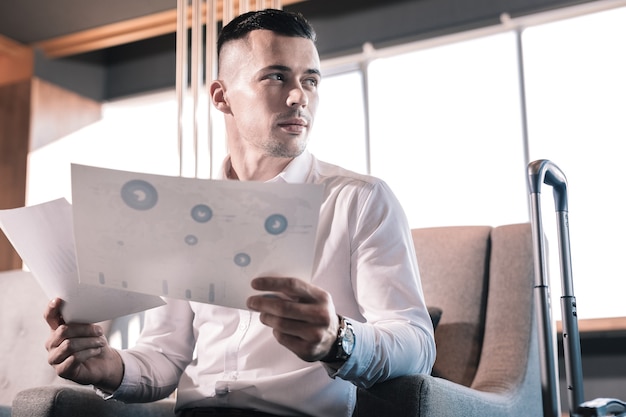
column 23, row 332
column 482, row 279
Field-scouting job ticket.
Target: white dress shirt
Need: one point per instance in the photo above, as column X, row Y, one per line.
column 223, row 357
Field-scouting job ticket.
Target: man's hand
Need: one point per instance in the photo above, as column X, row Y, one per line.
column 302, row 315
column 80, row 352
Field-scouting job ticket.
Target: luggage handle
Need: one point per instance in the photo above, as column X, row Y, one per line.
column 545, row 172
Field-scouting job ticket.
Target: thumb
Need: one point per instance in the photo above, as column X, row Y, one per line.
column 53, row 313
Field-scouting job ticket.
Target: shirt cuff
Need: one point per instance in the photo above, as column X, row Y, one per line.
column 102, row 394
column 130, row 379
column 361, row 357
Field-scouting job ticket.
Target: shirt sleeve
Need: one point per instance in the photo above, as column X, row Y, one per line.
column 397, row 337
column 153, row 367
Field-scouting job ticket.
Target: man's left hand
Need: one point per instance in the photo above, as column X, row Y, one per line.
column 302, row 315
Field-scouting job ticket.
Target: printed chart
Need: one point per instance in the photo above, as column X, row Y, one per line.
column 194, row 239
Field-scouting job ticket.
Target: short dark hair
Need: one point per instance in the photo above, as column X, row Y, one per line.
column 279, row 21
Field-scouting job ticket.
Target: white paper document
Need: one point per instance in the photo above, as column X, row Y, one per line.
column 43, row 237
column 193, row 239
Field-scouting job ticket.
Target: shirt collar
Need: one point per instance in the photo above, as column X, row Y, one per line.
column 226, row 167
column 295, row 172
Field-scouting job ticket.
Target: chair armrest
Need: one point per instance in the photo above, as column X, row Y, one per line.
column 426, row 395
column 59, row 401
column 398, row 397
column 5, row 411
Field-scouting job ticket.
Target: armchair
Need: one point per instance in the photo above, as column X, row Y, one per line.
column 27, row 382
column 487, row 353
column 22, row 335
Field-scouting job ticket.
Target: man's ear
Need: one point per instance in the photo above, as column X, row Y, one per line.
column 218, row 96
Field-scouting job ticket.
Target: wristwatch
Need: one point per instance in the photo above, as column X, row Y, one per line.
column 344, row 345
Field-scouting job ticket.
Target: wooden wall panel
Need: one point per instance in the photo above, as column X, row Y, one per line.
column 16, row 71
column 32, row 112
column 57, row 112
column 15, row 114
column 16, row 61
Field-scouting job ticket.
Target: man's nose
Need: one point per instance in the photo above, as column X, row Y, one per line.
column 297, row 97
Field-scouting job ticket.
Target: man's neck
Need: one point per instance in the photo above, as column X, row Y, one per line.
column 256, row 169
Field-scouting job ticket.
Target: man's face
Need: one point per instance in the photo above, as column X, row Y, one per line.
column 270, row 87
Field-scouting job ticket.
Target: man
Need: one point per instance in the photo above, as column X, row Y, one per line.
column 361, row 319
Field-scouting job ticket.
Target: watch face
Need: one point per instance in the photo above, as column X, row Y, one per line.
column 347, row 342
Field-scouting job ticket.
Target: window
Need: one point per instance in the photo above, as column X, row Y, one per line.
column 576, row 104
column 135, row 134
column 446, row 132
column 338, row 135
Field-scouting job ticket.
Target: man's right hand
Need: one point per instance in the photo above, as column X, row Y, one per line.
column 81, row 353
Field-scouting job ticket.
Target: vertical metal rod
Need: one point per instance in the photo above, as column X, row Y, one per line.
column 227, row 11
column 244, row 6
column 569, row 319
column 543, row 313
column 210, row 68
column 364, row 69
column 522, row 95
column 196, row 72
column 181, row 74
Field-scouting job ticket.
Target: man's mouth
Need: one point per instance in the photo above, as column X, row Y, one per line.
column 295, row 125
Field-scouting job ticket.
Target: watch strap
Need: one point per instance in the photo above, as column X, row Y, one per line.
column 337, row 352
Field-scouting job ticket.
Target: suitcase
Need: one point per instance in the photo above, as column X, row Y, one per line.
column 546, row 172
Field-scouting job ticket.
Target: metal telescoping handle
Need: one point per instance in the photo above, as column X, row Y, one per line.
column 545, row 172
column 546, row 335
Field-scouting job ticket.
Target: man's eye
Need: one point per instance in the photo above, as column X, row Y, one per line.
column 311, row 82
column 277, row 77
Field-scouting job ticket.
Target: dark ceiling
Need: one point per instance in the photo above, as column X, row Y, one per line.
column 29, row 21
column 343, row 27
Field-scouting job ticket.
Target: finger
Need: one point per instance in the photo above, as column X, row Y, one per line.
column 316, row 312
column 306, row 330
column 310, row 322
column 294, row 288
column 70, row 367
column 278, row 307
column 80, row 349
column 77, row 350
column 73, row 331
column 304, row 349
column 291, row 342
column 52, row 314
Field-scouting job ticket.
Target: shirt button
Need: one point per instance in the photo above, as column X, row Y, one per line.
column 221, row 388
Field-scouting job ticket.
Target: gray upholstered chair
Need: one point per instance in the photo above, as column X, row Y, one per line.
column 23, row 358
column 487, row 363
column 487, row 352
column 26, row 379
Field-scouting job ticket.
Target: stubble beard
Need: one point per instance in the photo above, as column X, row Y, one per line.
column 280, row 149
